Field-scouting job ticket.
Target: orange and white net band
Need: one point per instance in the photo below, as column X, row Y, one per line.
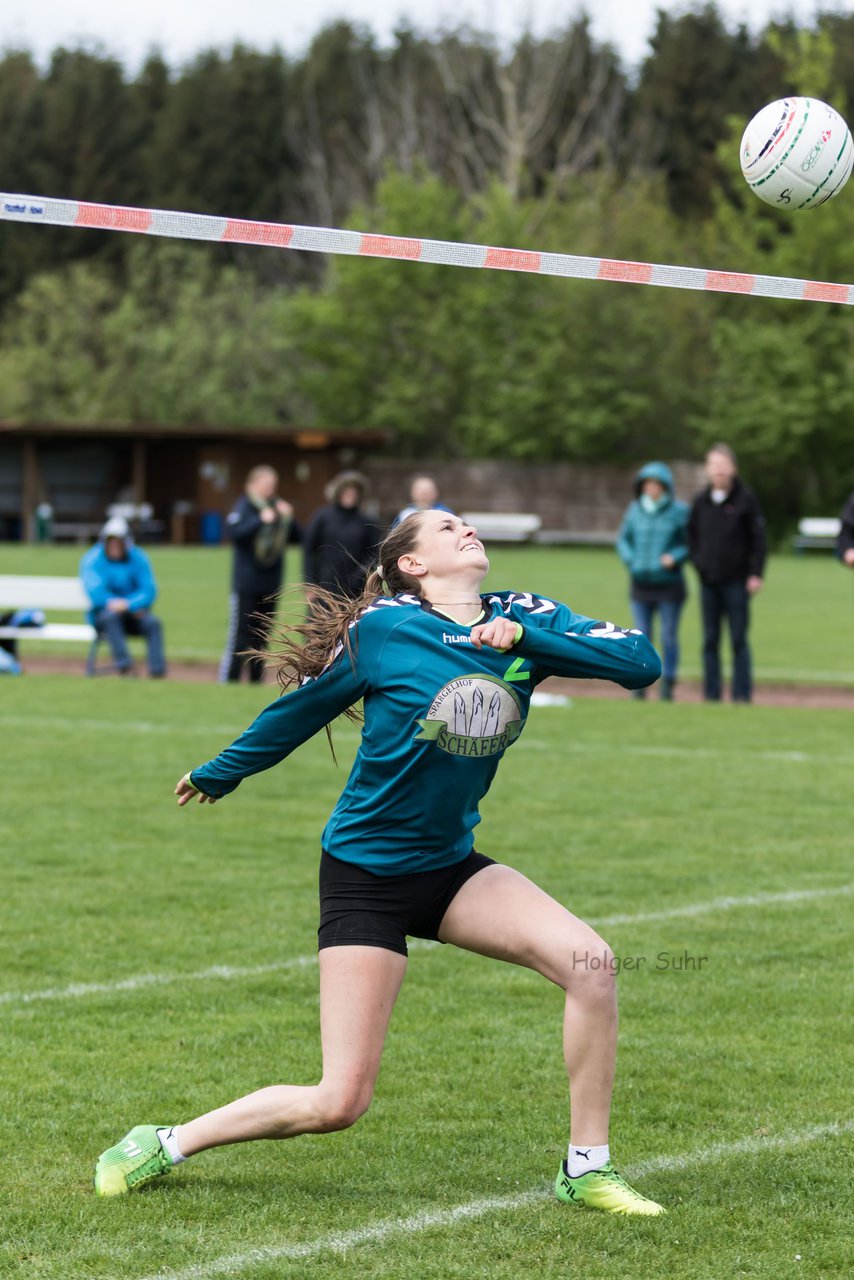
column 196, row 226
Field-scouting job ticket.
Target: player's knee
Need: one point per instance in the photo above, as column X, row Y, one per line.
column 340, row 1108
column 592, row 971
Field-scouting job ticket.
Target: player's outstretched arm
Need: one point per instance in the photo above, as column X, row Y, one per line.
column 294, row 718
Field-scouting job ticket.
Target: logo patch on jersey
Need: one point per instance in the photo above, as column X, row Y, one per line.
column 474, row 715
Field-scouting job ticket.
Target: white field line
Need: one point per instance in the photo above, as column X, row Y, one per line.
column 215, row 973
column 678, row 752
column 392, row 1228
column 726, row 904
column 227, row 973
column 230, row 731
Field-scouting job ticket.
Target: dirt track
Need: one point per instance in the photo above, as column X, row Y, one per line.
column 768, row 695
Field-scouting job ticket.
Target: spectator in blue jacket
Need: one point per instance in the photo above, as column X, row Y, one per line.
column 653, row 545
column 119, row 581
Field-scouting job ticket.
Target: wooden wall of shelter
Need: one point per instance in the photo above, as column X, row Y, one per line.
column 190, row 476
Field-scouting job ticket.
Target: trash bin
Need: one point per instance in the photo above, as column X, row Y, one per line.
column 44, row 522
column 211, row 528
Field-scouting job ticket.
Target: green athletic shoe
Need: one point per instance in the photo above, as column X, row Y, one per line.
column 603, row 1189
column 137, row 1159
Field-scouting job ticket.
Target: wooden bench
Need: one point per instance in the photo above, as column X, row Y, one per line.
column 817, row 533
column 65, row 594
column 493, row 526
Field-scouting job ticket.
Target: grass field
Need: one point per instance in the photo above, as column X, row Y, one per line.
column 802, row 621
column 157, row 963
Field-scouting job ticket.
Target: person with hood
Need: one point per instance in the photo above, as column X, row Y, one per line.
column 726, row 538
column 339, row 541
column 260, row 528
column 653, row 545
column 119, row 581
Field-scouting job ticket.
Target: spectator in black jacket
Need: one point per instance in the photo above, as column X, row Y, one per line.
column 260, row 527
column 726, row 540
column 845, row 541
column 340, row 542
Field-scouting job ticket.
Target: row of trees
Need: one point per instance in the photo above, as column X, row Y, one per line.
column 261, row 135
column 547, row 147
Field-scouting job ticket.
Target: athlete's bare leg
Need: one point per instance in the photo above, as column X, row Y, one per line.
column 358, row 988
column 500, row 913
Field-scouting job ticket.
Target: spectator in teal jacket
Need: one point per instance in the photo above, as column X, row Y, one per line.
column 653, row 545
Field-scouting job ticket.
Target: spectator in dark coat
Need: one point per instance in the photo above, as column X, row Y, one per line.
column 726, row 538
column 845, row 541
column 340, row 541
column 260, row 527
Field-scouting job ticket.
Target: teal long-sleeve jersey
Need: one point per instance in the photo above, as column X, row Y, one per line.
column 439, row 715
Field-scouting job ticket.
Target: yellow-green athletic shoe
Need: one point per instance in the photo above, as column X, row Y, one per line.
column 603, row 1189
column 137, row 1159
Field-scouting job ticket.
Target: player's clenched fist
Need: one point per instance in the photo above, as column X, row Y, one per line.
column 500, row 634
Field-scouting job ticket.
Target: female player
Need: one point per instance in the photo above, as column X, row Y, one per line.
column 445, row 675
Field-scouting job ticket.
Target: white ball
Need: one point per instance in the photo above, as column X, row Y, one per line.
column 797, row 153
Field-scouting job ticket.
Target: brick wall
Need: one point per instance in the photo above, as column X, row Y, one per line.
column 567, row 496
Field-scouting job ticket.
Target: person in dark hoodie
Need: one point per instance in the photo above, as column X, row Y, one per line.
column 260, row 527
column 845, row 541
column 119, row 581
column 726, row 538
column 653, row 545
column 340, row 542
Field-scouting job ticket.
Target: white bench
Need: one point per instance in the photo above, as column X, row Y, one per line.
column 493, row 526
column 817, row 533
column 577, row 537
column 18, row 591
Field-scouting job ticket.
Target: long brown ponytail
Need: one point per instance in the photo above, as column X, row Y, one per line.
column 300, row 652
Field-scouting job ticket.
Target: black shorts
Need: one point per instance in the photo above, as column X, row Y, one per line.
column 361, row 909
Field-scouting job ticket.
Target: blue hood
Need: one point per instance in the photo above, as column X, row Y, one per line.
column 654, row 471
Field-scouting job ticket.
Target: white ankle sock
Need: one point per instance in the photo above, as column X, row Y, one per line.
column 169, row 1143
column 582, row 1159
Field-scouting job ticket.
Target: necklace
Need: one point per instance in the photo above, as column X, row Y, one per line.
column 460, row 604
